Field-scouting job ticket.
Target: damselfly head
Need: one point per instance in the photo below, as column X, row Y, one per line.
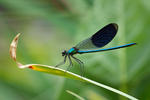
column 64, row 53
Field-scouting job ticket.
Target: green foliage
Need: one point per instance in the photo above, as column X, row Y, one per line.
column 57, row 71
column 50, row 26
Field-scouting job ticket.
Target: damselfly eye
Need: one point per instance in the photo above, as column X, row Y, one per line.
column 64, row 53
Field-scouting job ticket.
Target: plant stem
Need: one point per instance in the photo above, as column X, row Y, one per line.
column 122, row 52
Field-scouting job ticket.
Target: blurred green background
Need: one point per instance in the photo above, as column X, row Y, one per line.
column 50, row 26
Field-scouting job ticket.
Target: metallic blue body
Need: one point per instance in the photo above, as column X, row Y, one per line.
column 112, row 48
column 71, row 50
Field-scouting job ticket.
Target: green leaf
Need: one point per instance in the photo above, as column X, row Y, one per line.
column 58, row 71
column 74, row 94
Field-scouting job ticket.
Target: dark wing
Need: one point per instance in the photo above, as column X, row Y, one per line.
column 100, row 38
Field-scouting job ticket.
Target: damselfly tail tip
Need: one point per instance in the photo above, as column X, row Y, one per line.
column 134, row 43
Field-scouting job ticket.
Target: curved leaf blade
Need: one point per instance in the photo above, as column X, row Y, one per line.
column 58, row 71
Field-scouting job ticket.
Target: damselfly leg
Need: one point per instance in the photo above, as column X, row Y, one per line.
column 80, row 63
column 62, row 62
column 70, row 63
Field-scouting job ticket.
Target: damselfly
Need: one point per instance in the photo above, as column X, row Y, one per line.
column 92, row 44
